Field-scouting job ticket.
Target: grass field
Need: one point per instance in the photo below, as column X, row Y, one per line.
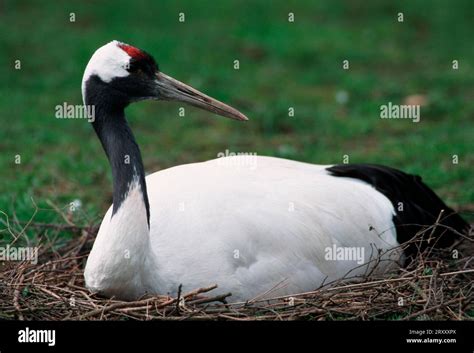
column 282, row 64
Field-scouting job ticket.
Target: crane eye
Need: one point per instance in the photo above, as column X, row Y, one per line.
column 138, row 71
column 135, row 69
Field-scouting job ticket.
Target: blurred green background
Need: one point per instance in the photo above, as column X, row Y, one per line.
column 282, row 64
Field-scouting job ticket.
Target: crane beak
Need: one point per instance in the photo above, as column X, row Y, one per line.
column 170, row 89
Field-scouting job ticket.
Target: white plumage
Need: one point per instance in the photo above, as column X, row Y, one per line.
column 108, row 62
column 245, row 228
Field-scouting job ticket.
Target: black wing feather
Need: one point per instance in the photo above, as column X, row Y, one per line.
column 421, row 206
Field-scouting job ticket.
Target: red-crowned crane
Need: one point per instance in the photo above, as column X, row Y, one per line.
column 250, row 230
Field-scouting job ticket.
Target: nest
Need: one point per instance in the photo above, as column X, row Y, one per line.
column 436, row 286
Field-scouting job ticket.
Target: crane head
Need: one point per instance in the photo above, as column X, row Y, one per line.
column 122, row 74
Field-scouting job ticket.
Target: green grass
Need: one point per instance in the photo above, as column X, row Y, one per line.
column 282, row 65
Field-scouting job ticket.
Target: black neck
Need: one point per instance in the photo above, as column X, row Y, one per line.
column 120, row 146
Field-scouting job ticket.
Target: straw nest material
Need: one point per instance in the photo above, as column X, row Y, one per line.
column 437, row 286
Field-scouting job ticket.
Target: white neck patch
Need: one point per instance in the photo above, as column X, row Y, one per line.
column 108, row 61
